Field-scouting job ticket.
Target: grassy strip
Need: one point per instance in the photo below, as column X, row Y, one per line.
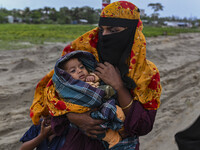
column 157, row 31
column 37, row 34
column 10, row 34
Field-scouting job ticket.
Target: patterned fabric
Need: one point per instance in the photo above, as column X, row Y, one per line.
column 144, row 73
column 108, row 112
column 129, row 143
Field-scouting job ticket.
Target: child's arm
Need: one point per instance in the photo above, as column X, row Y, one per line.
column 30, row 145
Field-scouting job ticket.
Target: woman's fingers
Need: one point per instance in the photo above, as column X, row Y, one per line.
column 98, row 122
column 99, row 70
column 98, row 128
column 42, row 123
column 95, row 132
column 91, row 135
column 103, row 68
column 101, row 65
column 107, row 64
column 117, row 70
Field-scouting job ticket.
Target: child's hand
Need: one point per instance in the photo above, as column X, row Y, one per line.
column 90, row 78
column 45, row 130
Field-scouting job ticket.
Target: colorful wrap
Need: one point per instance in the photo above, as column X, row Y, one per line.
column 144, row 73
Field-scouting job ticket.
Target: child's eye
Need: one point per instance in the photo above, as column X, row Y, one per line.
column 82, row 67
column 72, row 71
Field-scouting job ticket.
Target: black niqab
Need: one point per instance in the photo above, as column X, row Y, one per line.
column 116, row 48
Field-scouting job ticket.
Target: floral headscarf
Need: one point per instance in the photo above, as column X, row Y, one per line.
column 144, row 73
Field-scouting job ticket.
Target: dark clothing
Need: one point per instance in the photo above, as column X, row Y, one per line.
column 189, row 139
column 138, row 122
column 56, row 143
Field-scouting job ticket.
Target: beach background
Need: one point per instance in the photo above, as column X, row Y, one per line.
column 177, row 58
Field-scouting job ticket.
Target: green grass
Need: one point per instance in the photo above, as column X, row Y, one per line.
column 13, row 36
column 38, row 34
column 157, row 31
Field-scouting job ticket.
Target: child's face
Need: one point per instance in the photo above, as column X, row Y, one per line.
column 76, row 69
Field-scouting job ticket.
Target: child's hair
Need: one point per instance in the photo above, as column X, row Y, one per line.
column 62, row 64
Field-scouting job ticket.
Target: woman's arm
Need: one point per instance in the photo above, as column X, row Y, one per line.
column 139, row 121
column 30, row 145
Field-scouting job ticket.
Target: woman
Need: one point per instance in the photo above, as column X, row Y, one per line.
column 120, row 46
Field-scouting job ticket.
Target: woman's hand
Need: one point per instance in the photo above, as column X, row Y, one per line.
column 91, row 127
column 109, row 75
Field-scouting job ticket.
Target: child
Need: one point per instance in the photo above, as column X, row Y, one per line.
column 78, row 71
column 72, row 71
column 42, row 137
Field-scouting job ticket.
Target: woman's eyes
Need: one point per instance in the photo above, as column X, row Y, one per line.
column 110, row 30
column 114, row 30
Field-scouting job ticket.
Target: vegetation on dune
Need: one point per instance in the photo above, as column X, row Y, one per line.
column 16, row 36
column 41, row 33
column 150, row 31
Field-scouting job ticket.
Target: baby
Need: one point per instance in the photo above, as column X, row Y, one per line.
column 78, row 71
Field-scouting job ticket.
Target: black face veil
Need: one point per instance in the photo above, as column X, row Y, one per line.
column 116, row 48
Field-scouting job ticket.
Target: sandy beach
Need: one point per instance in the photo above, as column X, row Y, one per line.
column 177, row 57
